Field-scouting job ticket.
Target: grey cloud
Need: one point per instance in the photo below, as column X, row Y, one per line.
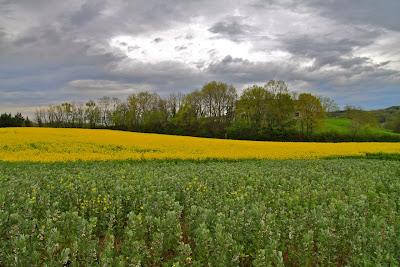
column 87, row 12
column 96, row 88
column 383, row 13
column 58, row 50
column 166, row 76
column 231, row 26
column 361, row 82
column 328, row 51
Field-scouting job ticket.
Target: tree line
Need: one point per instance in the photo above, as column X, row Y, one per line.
column 7, row 120
column 267, row 112
column 216, row 110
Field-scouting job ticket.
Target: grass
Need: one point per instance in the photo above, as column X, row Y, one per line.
column 342, row 126
column 335, row 125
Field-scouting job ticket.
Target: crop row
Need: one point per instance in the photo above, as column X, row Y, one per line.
column 163, row 213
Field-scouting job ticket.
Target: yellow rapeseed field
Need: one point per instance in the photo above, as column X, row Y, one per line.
column 49, row 145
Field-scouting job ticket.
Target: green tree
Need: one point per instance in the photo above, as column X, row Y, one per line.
column 281, row 111
column 310, row 112
column 218, row 100
column 252, row 106
column 328, row 104
column 187, row 118
column 139, row 105
column 120, row 116
column 92, row 113
column 361, row 121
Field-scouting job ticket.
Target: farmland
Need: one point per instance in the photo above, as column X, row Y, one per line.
column 199, row 133
column 226, row 213
column 55, row 144
column 80, row 197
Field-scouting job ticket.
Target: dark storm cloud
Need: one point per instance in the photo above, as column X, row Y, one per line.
column 52, row 51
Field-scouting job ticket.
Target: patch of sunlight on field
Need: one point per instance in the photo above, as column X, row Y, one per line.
column 50, row 144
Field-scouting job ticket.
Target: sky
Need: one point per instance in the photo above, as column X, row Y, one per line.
column 54, row 51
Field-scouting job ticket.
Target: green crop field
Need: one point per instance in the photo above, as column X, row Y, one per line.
column 339, row 212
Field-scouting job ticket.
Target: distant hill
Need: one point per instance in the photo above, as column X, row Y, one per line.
column 341, row 125
column 387, row 118
column 392, row 108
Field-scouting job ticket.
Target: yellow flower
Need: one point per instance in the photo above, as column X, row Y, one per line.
column 55, row 144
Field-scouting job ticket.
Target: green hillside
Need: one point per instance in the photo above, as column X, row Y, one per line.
column 342, row 126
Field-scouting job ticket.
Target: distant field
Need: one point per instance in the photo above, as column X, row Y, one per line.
column 55, row 144
column 342, row 126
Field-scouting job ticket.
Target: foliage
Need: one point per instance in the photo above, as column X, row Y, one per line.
column 328, row 104
column 209, row 112
column 388, row 117
column 310, row 113
column 7, row 120
column 49, row 144
column 360, row 120
column 267, row 112
column 394, row 123
column 166, row 213
column 267, row 109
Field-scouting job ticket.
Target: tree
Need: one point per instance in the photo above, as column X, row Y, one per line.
column 328, row 104
column 218, row 101
column 7, row 120
column 139, row 105
column 360, row 120
column 105, row 107
column 396, row 125
column 51, row 117
column 281, row 112
column 40, row 117
column 310, row 112
column 277, row 87
column 252, row 106
column 173, row 104
column 78, row 115
column 186, row 119
column 120, row 116
column 67, row 114
column 214, row 111
column 27, row 122
column 92, row 113
column 18, row 120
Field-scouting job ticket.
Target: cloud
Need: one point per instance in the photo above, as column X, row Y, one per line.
column 234, row 28
column 88, row 11
column 97, row 88
column 53, row 51
column 367, row 12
